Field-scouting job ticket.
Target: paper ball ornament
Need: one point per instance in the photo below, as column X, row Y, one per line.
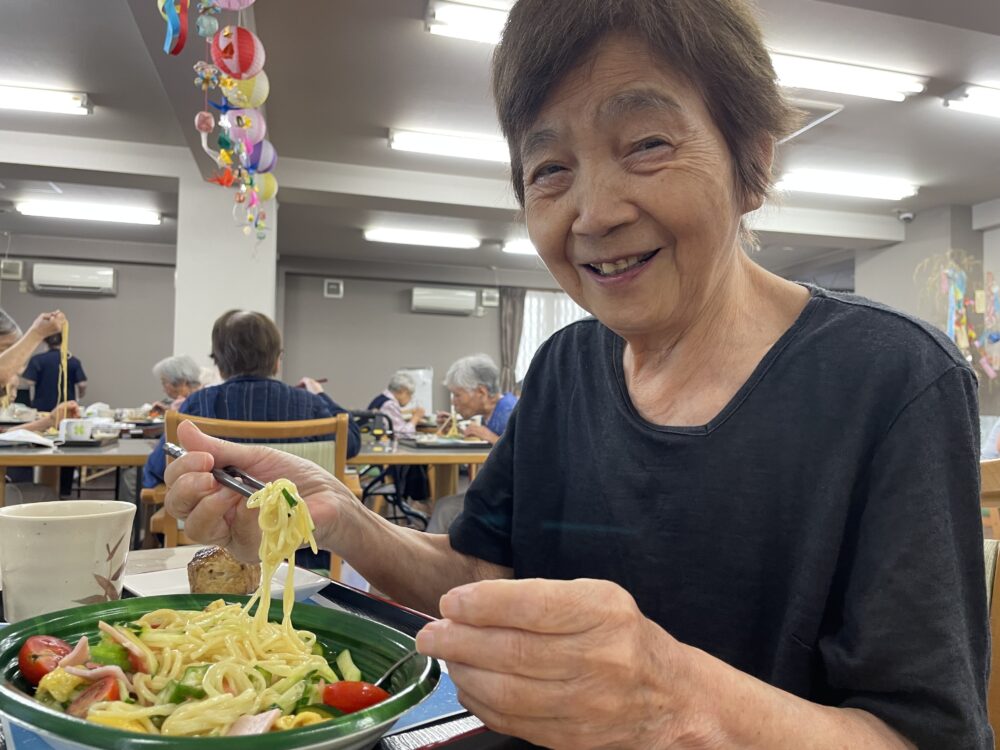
column 207, row 26
column 247, row 125
column 238, row 52
column 234, row 4
column 263, row 157
column 267, row 186
column 204, row 122
column 250, row 92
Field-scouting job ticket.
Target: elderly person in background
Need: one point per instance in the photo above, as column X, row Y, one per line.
column 474, row 384
column 719, row 518
column 391, row 401
column 180, row 376
column 246, row 347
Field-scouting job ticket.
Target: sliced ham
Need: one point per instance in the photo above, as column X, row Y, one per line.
column 92, row 675
column 257, row 724
column 79, row 655
column 127, row 644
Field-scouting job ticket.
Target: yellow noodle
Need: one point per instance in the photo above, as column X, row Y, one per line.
column 234, row 643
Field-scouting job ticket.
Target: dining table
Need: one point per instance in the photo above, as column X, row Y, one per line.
column 442, row 463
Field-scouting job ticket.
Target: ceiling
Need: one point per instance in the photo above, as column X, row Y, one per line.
column 342, row 73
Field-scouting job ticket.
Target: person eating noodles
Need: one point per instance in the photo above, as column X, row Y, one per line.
column 730, row 510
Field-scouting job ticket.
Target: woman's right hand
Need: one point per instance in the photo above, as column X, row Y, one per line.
column 215, row 514
column 48, row 324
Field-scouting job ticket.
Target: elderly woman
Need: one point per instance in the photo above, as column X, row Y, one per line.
column 474, row 384
column 391, row 401
column 724, row 520
column 180, row 376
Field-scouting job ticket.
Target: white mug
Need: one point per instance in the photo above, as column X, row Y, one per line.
column 76, row 429
column 64, row 553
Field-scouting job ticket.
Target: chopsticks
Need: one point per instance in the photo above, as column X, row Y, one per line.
column 233, row 478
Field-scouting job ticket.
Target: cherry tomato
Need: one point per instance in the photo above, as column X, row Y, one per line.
column 39, row 655
column 105, row 689
column 352, row 696
column 138, row 663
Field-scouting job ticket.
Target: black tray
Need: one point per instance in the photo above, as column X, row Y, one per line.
column 89, row 443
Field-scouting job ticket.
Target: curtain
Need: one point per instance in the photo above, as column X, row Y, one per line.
column 544, row 314
column 511, row 322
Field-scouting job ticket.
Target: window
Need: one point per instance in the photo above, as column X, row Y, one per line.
column 544, row 314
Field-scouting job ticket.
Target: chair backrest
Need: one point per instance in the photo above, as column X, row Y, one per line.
column 329, row 455
column 989, row 490
column 991, row 553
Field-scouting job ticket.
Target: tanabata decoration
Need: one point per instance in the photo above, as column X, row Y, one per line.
column 242, row 156
column 246, row 125
column 175, row 14
column 237, row 52
column 249, row 93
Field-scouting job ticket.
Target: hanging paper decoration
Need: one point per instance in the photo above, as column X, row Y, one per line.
column 263, row 157
column 175, row 14
column 238, row 52
column 248, row 93
column 238, row 148
column 246, row 125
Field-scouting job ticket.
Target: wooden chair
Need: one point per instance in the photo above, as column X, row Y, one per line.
column 991, row 550
column 331, row 455
column 989, row 497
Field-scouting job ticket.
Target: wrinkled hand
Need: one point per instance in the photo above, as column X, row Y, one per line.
column 570, row 665
column 479, row 431
column 418, row 414
column 215, row 514
column 48, row 324
column 310, row 384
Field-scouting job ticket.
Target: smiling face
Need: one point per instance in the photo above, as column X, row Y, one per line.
column 629, row 193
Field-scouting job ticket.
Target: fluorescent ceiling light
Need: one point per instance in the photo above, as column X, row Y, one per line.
column 520, row 247
column 476, row 20
column 844, row 183
column 979, row 100
column 43, row 100
column 842, row 78
column 463, row 145
column 417, row 237
column 88, row 212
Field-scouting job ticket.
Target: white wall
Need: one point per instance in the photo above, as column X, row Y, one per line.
column 359, row 341
column 118, row 339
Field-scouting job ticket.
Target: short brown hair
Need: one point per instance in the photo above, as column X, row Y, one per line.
column 245, row 343
column 716, row 44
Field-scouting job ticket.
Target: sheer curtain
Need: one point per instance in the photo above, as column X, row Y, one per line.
column 544, row 314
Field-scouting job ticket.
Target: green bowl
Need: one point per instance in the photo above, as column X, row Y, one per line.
column 374, row 647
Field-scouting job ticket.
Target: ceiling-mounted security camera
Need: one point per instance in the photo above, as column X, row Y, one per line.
column 905, row 216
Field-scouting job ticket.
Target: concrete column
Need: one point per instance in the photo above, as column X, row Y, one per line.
column 218, row 267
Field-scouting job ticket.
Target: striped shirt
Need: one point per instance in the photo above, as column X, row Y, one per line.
column 253, row 399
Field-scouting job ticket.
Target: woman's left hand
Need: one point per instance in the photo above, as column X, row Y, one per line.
column 562, row 664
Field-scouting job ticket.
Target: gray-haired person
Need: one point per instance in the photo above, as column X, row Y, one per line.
column 180, row 376
column 474, row 384
column 394, row 399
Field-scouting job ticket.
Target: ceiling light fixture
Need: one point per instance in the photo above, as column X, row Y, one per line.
column 475, row 20
column 44, row 100
column 88, row 212
column 848, row 184
column 462, row 145
column 520, row 247
column 980, row 100
column 843, row 78
column 419, row 237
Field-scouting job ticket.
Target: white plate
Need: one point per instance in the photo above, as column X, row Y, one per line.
column 175, row 581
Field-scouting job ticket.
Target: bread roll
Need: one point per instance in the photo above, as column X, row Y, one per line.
column 214, row 571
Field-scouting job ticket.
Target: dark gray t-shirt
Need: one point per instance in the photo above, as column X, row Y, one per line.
column 822, row 533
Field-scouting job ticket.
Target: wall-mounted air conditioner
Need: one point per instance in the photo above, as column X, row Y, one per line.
column 58, row 278
column 443, row 301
